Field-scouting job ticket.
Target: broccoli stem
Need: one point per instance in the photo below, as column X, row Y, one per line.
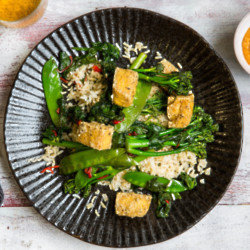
column 138, row 61
column 155, row 154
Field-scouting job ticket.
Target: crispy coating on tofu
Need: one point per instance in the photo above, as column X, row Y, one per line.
column 168, row 67
column 95, row 135
column 124, row 87
column 132, row 204
column 180, row 110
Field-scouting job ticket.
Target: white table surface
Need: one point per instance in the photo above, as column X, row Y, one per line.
column 227, row 226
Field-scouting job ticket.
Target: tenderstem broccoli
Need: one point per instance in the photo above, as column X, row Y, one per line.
column 177, row 82
column 192, row 138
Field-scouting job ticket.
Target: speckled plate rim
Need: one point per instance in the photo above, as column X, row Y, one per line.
column 207, row 44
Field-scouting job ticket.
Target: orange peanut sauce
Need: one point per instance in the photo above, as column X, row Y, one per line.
column 13, row 10
column 246, row 46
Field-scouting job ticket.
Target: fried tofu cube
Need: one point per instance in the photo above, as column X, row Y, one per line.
column 132, row 204
column 180, row 110
column 168, row 67
column 95, row 135
column 124, row 87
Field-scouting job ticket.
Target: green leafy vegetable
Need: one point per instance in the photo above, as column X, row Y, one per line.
column 76, row 114
column 64, row 61
column 156, row 105
column 190, row 182
column 107, row 53
column 164, row 202
column 105, row 112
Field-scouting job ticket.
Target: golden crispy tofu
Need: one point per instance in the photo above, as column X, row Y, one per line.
column 168, row 67
column 132, row 204
column 124, row 87
column 180, row 110
column 95, row 135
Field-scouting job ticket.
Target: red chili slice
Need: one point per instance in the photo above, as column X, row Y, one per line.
column 116, row 122
column 58, row 111
column 167, row 201
column 55, row 133
column 49, row 169
column 103, row 177
column 133, row 133
column 97, row 69
column 88, row 171
column 64, row 80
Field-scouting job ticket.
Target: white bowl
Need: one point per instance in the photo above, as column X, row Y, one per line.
column 238, row 37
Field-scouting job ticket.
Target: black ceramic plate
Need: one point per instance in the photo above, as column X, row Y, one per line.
column 27, row 116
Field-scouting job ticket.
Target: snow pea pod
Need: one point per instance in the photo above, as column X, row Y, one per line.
column 140, row 179
column 91, row 158
column 123, row 160
column 132, row 112
column 52, row 89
